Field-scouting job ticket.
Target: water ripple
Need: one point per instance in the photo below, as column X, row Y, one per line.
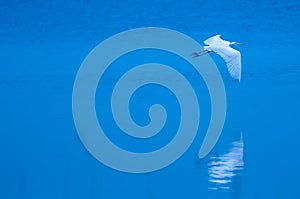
column 222, row 169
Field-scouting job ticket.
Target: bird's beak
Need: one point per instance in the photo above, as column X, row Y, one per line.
column 238, row 43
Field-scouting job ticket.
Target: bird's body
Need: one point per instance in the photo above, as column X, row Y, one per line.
column 223, row 48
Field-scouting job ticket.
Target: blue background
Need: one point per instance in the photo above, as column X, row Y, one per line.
column 42, row 44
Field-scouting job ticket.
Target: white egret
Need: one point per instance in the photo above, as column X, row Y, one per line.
column 223, row 48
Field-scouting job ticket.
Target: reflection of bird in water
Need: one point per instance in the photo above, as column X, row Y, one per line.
column 222, row 169
column 223, row 48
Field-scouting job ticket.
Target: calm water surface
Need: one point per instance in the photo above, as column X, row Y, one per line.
column 42, row 46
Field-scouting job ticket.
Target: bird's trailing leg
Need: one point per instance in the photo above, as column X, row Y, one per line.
column 197, row 54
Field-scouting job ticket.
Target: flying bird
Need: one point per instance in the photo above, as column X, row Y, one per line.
column 223, row 48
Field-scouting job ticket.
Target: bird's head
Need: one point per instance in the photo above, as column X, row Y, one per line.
column 234, row 43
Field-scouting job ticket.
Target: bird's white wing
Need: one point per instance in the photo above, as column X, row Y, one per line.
column 232, row 58
column 215, row 40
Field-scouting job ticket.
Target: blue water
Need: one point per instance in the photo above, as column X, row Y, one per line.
column 43, row 44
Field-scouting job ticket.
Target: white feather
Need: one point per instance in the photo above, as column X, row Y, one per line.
column 231, row 56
